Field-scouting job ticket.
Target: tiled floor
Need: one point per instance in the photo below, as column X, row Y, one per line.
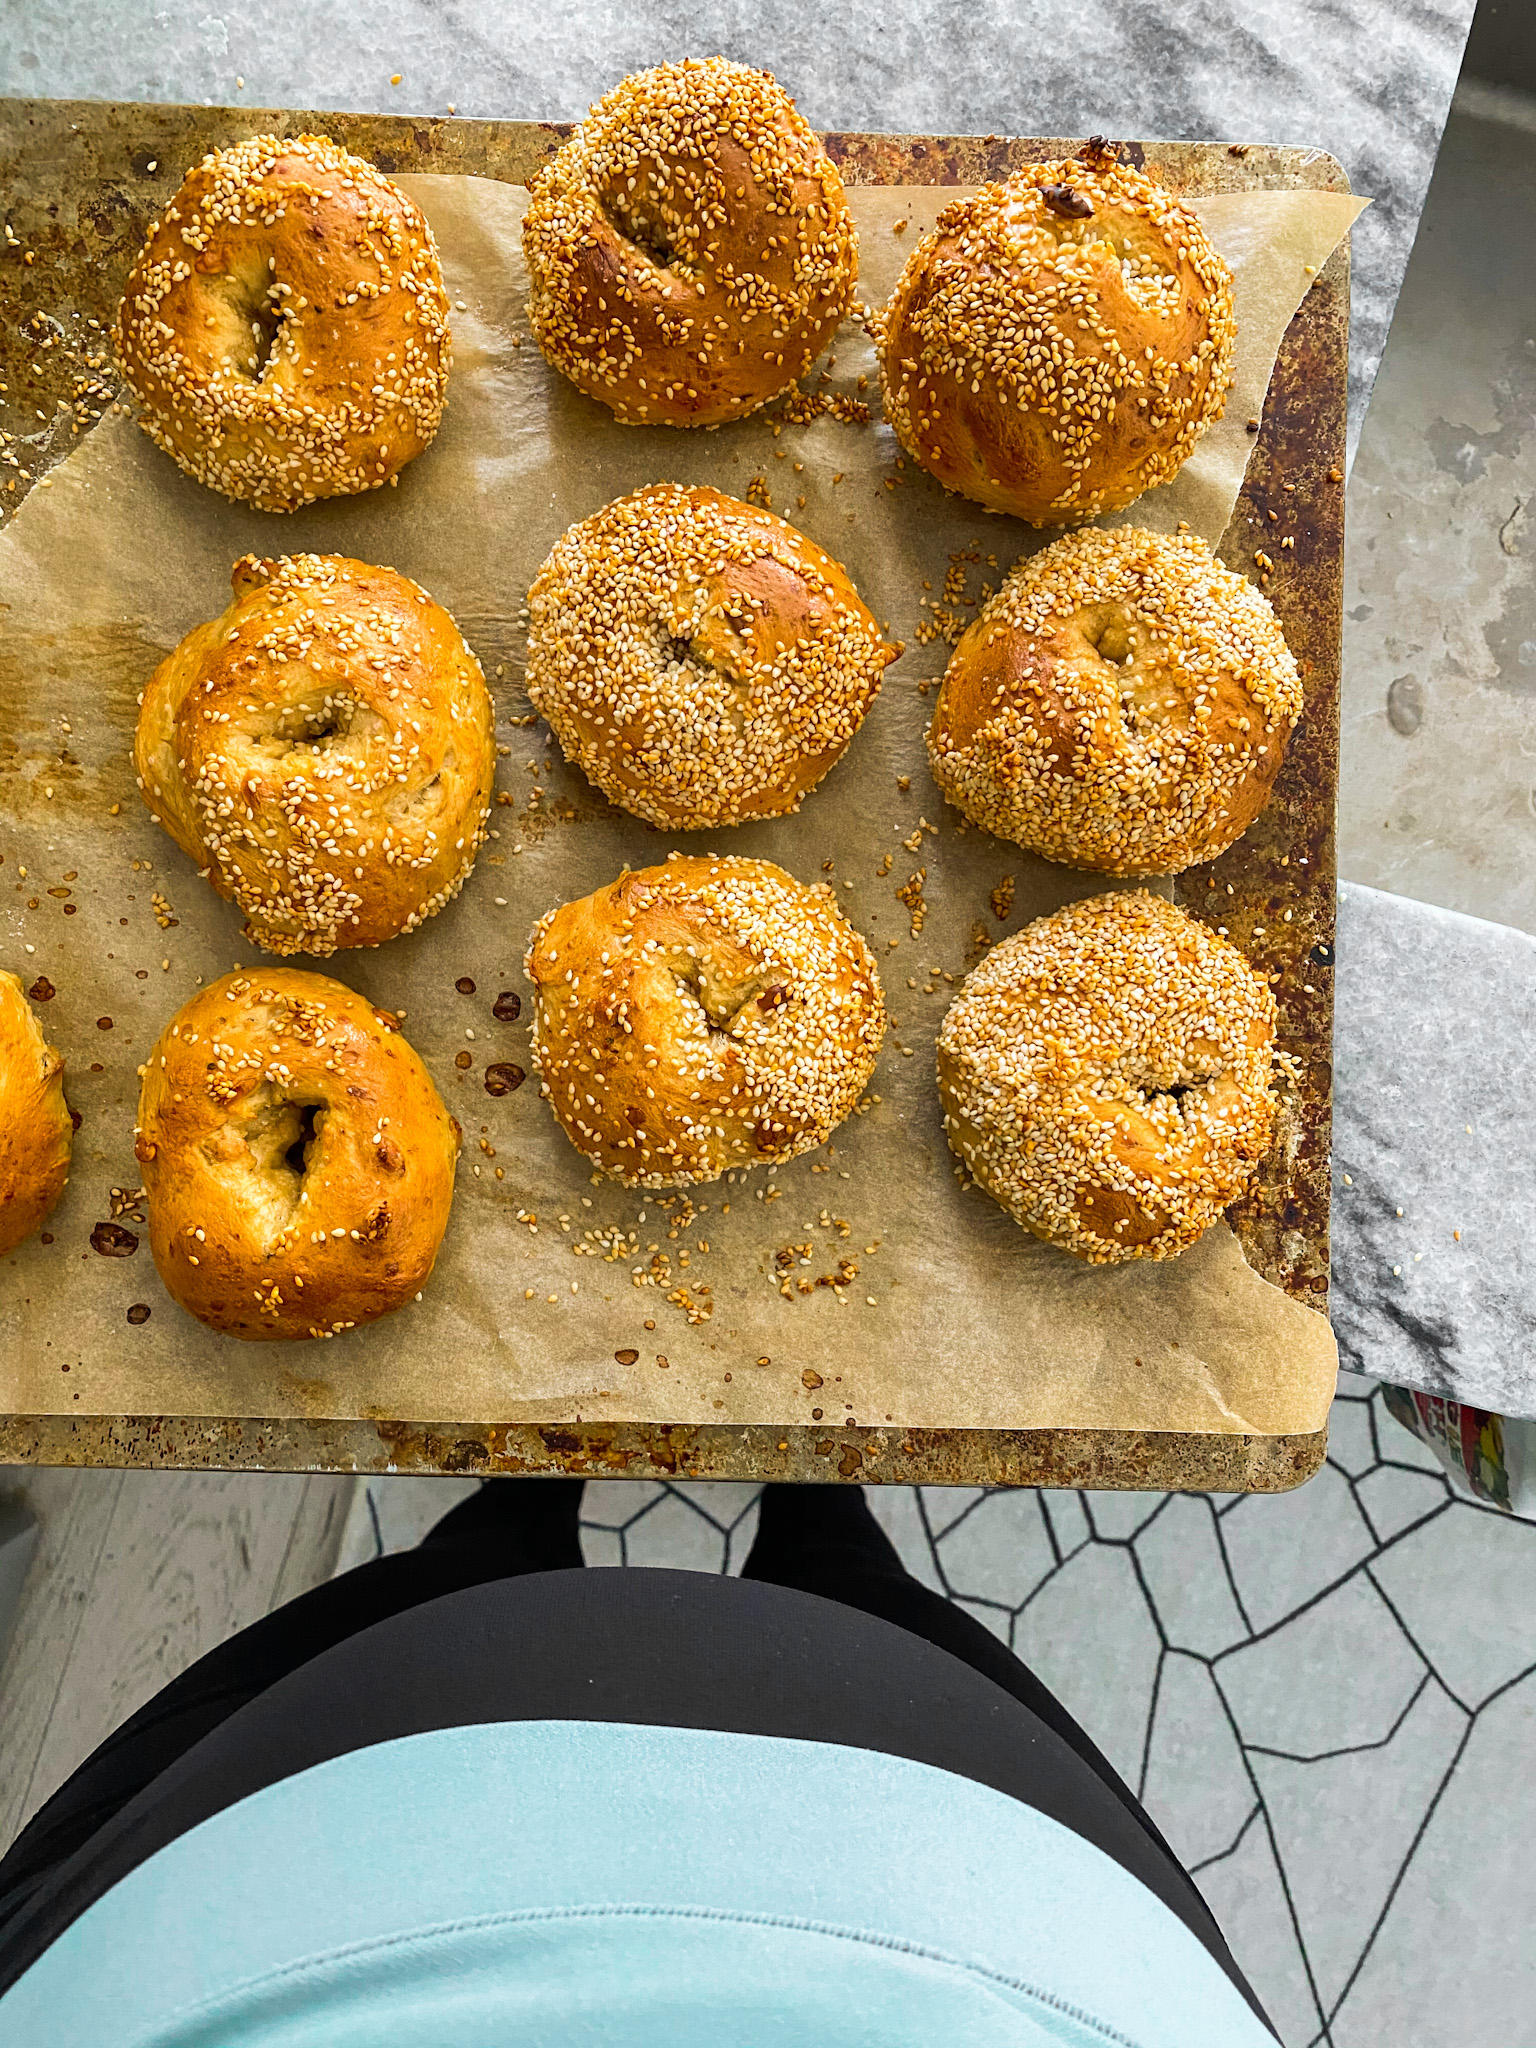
column 1326, row 1699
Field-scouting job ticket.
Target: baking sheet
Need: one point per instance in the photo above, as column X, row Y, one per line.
column 926, row 1306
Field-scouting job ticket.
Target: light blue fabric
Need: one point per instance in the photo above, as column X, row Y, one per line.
column 555, row 1884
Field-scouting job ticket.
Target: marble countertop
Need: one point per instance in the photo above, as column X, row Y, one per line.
column 1367, row 81
column 1434, row 1202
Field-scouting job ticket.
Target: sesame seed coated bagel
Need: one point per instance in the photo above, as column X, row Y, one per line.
column 690, row 248
column 1123, row 703
column 297, row 1159
column 1058, row 344
column 324, row 750
column 285, row 327
column 1105, row 1075
column 707, row 1014
column 36, row 1129
column 700, row 661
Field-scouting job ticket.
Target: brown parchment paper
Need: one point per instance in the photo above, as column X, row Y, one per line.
column 927, row 1306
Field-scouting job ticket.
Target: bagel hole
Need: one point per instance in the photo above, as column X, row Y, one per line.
column 280, row 1136
column 722, row 997
column 1111, row 633
column 266, row 323
column 650, row 237
column 314, row 721
column 310, row 1117
column 674, row 651
column 252, row 322
column 1179, row 1093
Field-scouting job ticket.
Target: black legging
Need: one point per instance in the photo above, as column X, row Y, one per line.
column 405, row 1643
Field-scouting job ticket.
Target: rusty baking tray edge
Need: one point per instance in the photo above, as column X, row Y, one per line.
column 80, row 250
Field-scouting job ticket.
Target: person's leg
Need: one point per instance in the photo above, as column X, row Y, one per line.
column 510, row 1526
column 823, row 1539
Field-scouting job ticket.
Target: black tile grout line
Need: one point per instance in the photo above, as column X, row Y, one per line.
column 1163, row 1647
column 1377, row 1537
column 1126, row 1541
column 1226, row 1564
column 1372, row 1410
column 1397, row 1881
column 1391, row 1606
column 1262, row 1811
column 1315, row 1599
column 1290, row 1904
column 1146, row 1738
column 1324, row 1756
column 933, row 1545
column 1222, row 1855
column 969, row 1509
column 1045, row 1516
column 1402, row 1870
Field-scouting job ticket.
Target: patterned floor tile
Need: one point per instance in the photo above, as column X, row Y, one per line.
column 1246, row 1892
column 1069, row 1521
column 1343, row 1825
column 612, row 1503
column 1450, row 1581
column 944, row 1505
column 1116, row 1517
column 1186, row 1577
column 999, row 1551
column 601, row 1545
column 1394, row 1498
column 1285, row 1548
column 1101, row 1671
column 1351, row 1442
column 1452, row 1963
column 684, row 1528
column 998, row 1619
column 1338, row 1673
column 1196, row 1785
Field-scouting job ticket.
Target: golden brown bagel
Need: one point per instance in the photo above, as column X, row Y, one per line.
column 36, row 1129
column 324, row 750
column 285, row 327
column 297, row 1158
column 1123, row 703
column 1058, row 344
column 703, row 1015
column 699, row 660
column 1105, row 1075
column 690, row 248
